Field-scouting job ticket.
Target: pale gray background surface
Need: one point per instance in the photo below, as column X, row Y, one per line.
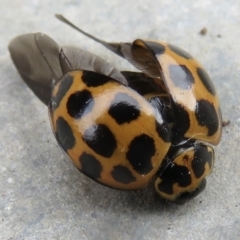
column 43, row 196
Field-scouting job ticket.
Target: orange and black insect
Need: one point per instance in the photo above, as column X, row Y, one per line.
column 123, row 129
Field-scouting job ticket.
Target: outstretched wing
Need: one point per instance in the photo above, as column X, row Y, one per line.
column 41, row 62
column 36, row 59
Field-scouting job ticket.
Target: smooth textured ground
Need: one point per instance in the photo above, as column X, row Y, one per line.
column 44, row 197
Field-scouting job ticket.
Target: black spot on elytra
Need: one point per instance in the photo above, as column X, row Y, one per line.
column 163, row 131
column 174, row 174
column 80, row 103
column 140, row 152
column 64, row 86
column 100, row 139
column 64, row 134
column 181, row 76
column 179, row 51
column 182, row 121
column 90, row 165
column 122, row 174
column 206, row 115
column 156, row 48
column 206, row 80
column 93, row 79
column 201, row 157
column 124, row 108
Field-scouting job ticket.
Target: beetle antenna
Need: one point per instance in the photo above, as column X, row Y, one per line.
column 114, row 47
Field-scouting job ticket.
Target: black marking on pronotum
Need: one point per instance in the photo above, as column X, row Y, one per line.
column 179, row 51
column 80, row 103
column 90, row 165
column 64, row 134
column 181, row 76
column 206, row 115
column 122, row 174
column 186, row 196
column 174, row 174
column 201, row 157
column 124, row 108
column 203, row 75
column 140, row 152
column 100, row 139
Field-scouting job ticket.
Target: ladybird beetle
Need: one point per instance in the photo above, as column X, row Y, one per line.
column 123, row 129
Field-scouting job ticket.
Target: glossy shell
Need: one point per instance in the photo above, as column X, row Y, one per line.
column 193, row 96
column 110, row 132
column 124, row 129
